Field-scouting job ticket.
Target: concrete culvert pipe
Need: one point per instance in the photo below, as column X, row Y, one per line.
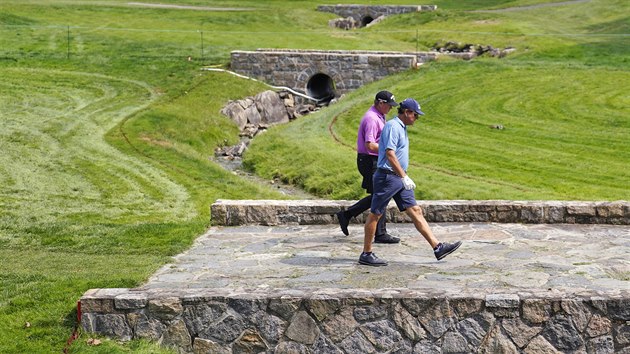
column 321, row 87
column 366, row 21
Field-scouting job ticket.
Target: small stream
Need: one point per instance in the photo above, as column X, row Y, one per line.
column 235, row 165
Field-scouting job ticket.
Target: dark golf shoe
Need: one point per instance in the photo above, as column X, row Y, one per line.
column 371, row 259
column 386, row 238
column 343, row 222
column 445, row 248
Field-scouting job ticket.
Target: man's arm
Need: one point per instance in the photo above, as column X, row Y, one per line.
column 371, row 133
column 373, row 147
column 393, row 161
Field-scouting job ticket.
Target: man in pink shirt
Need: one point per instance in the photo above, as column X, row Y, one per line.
column 367, row 155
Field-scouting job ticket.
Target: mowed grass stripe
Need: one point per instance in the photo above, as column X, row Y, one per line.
column 558, row 175
column 551, row 146
column 66, row 153
column 577, row 139
column 509, row 151
column 496, row 161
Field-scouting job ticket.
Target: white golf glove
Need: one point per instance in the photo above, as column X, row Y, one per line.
column 408, row 183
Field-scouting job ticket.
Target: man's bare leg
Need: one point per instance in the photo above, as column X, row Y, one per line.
column 370, row 229
column 440, row 249
column 416, row 215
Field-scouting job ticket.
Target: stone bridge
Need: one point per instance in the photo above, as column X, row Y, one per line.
column 365, row 14
column 323, row 75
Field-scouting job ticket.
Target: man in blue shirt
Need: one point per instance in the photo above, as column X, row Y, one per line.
column 367, row 155
column 391, row 181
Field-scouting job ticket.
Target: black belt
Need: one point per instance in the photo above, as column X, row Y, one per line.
column 386, row 171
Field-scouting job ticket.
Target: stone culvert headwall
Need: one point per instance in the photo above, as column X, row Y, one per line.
column 362, row 15
column 356, row 321
column 305, row 212
column 322, row 74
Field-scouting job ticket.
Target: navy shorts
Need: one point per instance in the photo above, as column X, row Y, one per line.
column 386, row 187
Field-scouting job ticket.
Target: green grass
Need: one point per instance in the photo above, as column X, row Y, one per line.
column 101, row 189
column 571, row 146
column 38, row 288
column 562, row 98
column 107, row 129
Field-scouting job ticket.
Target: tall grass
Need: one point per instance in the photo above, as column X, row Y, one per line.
column 107, row 128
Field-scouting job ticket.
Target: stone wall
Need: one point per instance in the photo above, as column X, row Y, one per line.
column 388, row 320
column 348, row 70
column 360, row 12
column 347, row 321
column 279, row 212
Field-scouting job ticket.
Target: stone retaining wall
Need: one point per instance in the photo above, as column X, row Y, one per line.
column 346, row 321
column 359, row 12
column 305, row 212
column 348, row 70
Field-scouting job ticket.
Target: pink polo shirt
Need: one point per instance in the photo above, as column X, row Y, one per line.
column 370, row 130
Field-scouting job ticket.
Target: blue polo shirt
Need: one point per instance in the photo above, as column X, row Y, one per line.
column 394, row 137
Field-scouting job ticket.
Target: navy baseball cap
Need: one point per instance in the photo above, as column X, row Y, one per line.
column 411, row 105
column 387, row 97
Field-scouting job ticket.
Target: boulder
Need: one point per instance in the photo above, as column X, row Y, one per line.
column 271, row 108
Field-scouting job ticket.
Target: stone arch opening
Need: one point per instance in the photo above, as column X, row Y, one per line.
column 321, row 87
column 366, row 20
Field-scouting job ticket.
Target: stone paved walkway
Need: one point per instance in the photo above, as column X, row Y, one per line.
column 540, row 258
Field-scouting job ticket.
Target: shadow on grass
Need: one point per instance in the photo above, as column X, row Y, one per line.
column 72, row 322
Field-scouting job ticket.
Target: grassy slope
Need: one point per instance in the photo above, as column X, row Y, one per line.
column 105, row 171
column 561, row 98
column 78, row 213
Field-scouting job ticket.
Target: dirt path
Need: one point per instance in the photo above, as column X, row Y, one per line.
column 188, row 7
column 529, row 7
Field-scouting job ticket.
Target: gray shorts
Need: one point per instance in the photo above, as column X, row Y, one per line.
column 386, row 187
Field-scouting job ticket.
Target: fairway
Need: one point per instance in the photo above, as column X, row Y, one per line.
column 56, row 165
column 63, row 191
column 564, row 135
column 560, row 139
column 86, row 197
